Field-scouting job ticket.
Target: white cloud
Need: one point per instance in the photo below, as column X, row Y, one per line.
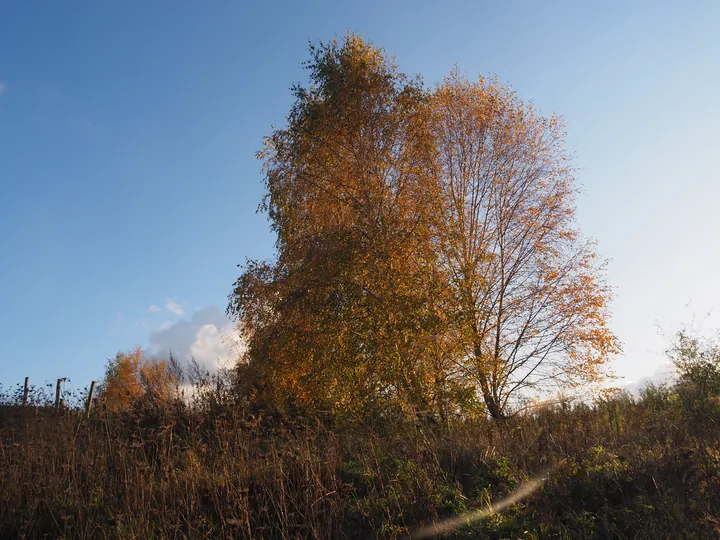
column 3, row 87
column 173, row 306
column 154, row 308
column 664, row 373
column 165, row 325
column 216, row 347
column 209, row 337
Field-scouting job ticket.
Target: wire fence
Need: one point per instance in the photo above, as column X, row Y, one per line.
column 60, row 396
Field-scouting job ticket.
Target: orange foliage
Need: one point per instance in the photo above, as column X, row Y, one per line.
column 130, row 376
column 427, row 253
column 531, row 297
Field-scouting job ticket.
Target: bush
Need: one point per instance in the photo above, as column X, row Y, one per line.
column 698, row 364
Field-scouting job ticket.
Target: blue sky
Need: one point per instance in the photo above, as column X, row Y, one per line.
column 128, row 184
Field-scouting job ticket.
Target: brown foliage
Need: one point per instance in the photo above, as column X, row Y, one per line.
column 530, row 300
column 622, row 469
column 130, row 376
column 344, row 318
column 428, row 257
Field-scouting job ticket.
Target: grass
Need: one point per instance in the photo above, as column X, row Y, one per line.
column 622, row 468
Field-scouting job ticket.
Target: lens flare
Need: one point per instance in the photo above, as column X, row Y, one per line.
column 443, row 527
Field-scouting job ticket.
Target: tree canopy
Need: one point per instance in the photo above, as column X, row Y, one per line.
column 427, row 253
column 131, row 376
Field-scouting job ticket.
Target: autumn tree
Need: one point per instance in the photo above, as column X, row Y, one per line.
column 427, row 252
column 528, row 291
column 350, row 314
column 130, row 376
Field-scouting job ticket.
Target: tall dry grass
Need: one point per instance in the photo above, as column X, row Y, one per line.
column 623, row 468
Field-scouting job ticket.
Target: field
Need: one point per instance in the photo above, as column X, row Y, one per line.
column 620, row 468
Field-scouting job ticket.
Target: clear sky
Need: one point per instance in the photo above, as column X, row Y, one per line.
column 128, row 184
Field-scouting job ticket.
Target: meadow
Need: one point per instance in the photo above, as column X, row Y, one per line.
column 621, row 467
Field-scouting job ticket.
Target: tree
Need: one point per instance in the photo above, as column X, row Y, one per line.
column 130, row 376
column 427, row 254
column 529, row 295
column 349, row 316
column 697, row 361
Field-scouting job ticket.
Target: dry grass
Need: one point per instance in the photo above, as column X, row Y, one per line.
column 624, row 468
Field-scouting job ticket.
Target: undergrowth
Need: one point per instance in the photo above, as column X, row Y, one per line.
column 620, row 468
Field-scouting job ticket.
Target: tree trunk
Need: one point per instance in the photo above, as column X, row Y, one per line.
column 490, row 402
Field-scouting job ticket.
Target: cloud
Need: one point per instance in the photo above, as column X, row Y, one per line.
column 214, row 347
column 664, row 373
column 3, row 87
column 209, row 337
column 154, row 308
column 176, row 308
column 165, row 325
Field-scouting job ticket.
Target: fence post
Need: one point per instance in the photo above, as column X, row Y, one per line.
column 25, row 392
column 89, row 399
column 57, row 394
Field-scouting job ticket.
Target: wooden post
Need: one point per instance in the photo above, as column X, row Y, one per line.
column 57, row 394
column 89, row 399
column 25, row 392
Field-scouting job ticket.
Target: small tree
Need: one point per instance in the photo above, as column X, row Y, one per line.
column 130, row 376
column 697, row 361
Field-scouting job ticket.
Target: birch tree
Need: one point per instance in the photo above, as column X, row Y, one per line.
column 528, row 291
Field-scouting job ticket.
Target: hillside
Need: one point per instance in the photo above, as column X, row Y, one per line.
column 621, row 468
